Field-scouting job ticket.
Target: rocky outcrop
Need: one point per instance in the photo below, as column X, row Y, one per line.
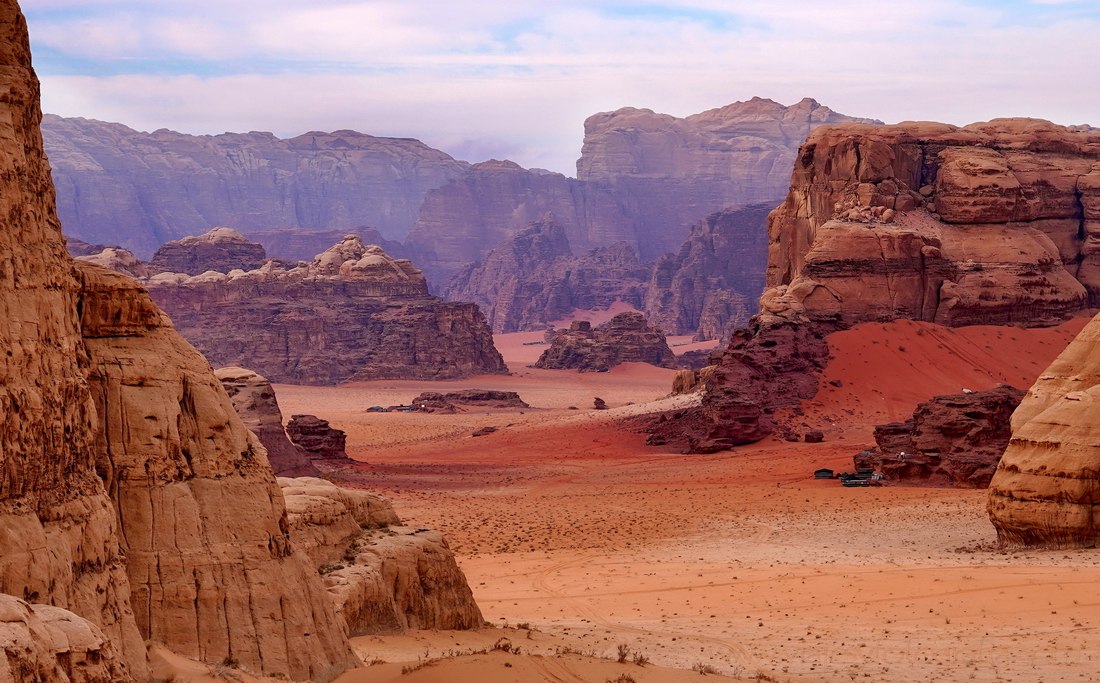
column 712, row 285
column 210, row 562
column 353, row 313
column 120, row 261
column 1044, row 492
column 626, row 338
column 220, row 250
column 317, row 438
column 453, row 401
column 383, row 580
column 462, row 220
column 670, row 172
column 47, row 644
column 139, row 189
column 300, row 244
column 986, row 224
column 534, row 278
column 954, row 440
column 255, row 403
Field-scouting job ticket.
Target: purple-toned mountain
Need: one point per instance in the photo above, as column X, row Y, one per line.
column 117, row 185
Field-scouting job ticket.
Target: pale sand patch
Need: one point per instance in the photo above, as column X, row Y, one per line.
column 739, row 560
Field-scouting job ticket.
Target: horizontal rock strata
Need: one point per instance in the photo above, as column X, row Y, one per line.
column 626, row 338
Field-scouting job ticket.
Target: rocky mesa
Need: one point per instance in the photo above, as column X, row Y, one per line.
column 353, row 313
column 626, row 338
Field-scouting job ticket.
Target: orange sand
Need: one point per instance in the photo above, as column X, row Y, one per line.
column 737, row 560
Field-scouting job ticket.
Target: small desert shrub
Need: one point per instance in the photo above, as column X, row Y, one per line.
column 622, row 678
column 624, row 652
column 704, row 669
column 640, row 659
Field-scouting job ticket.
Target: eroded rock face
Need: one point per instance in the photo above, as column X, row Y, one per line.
column 212, row 571
column 1044, row 492
column 534, row 278
column 119, row 260
column 47, row 644
column 986, row 224
column 712, row 285
column 255, row 403
column 300, row 244
column 383, row 580
column 353, row 313
column 143, row 189
column 220, row 250
column 954, row 440
column 317, row 437
column 453, row 401
column 59, row 542
column 626, row 338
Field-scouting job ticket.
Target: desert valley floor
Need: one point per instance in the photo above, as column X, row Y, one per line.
column 739, row 561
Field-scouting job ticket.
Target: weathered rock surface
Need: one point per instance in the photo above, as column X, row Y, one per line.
column 670, row 172
column 985, row 224
column 453, row 401
column 534, row 278
column 59, row 541
column 383, row 580
column 219, row 249
column 255, row 403
column 1044, row 492
column 626, row 338
column 212, row 571
column 78, row 247
column 712, row 285
column 317, row 437
column 120, row 261
column 300, row 244
column 954, row 440
column 353, row 313
column 118, row 185
column 47, row 644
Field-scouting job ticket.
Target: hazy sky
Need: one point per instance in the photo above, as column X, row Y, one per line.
column 515, row 79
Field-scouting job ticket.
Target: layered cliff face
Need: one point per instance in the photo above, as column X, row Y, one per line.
column 1044, row 492
column 353, row 313
column 220, row 249
column 712, row 285
column 954, row 440
column 534, row 278
column 670, row 172
column 987, row 224
column 255, row 403
column 461, row 221
column 174, row 454
column 47, row 644
column 626, row 338
column 59, row 542
column 139, row 190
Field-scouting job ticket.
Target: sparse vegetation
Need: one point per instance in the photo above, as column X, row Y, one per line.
column 622, row 678
column 623, row 653
column 640, row 659
column 704, row 669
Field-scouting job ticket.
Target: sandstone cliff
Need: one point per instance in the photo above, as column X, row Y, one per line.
column 1044, row 492
column 353, row 313
column 300, row 244
column 954, row 440
column 47, row 644
column 986, row 224
column 121, row 452
column 534, row 278
column 255, row 403
column 626, row 338
column 220, row 249
column 118, row 185
column 712, row 285
column 383, row 578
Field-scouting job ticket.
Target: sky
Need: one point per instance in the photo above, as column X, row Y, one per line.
column 486, row 79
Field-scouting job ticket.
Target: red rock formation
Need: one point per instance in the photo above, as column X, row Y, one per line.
column 1044, row 492
column 353, row 313
column 120, row 261
column 626, row 338
column 255, row 403
column 317, row 437
column 452, row 401
column 534, row 278
column 712, row 285
column 47, row 644
column 142, row 189
column 220, row 250
column 954, row 440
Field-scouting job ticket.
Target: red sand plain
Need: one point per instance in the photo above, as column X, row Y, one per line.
column 740, row 561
